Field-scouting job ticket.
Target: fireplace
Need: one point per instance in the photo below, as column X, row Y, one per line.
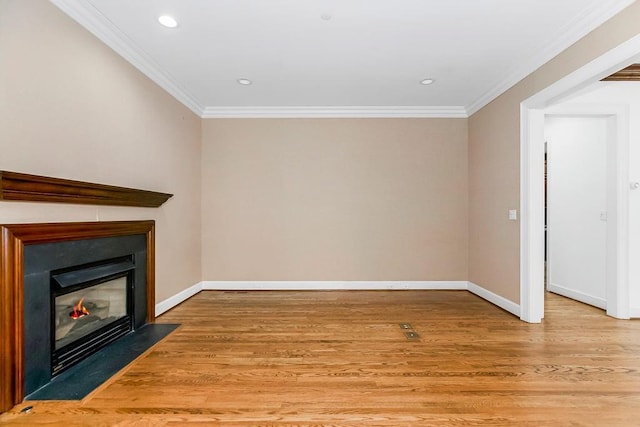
column 68, row 293
column 92, row 306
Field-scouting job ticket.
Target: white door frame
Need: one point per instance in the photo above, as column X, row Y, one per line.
column 617, row 245
column 532, row 182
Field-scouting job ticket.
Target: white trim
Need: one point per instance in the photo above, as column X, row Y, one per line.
column 178, row 298
column 531, row 174
column 334, row 112
column 560, row 41
column 578, row 296
column 617, row 58
column 94, row 21
column 495, row 299
column 233, row 285
column 619, row 307
column 531, row 217
column 331, row 285
column 584, row 109
column 634, row 312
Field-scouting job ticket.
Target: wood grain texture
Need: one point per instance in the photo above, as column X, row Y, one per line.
column 341, row 359
column 35, row 188
column 13, row 237
column 10, row 329
column 629, row 74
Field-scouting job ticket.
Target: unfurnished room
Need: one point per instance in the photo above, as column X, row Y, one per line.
column 319, row 213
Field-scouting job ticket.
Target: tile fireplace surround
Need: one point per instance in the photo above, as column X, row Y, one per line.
column 13, row 240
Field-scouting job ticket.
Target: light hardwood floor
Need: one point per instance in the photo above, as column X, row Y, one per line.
column 341, row 359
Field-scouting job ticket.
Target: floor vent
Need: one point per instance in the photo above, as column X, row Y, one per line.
column 412, row 335
column 409, row 332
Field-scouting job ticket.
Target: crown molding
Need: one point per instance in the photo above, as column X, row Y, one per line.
column 566, row 36
column 334, row 112
column 95, row 22
column 85, row 14
column 91, row 19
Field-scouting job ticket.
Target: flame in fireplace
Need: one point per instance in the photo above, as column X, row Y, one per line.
column 79, row 310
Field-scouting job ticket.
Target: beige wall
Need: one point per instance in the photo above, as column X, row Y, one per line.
column 335, row 199
column 72, row 108
column 282, row 199
column 494, row 159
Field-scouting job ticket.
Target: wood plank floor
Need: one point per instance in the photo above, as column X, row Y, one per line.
column 341, row 359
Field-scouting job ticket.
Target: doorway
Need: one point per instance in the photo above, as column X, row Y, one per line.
column 578, row 180
column 532, row 242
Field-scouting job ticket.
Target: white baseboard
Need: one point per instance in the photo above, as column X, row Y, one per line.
column 171, row 302
column 501, row 302
column 330, row 285
column 495, row 299
column 634, row 312
column 578, row 296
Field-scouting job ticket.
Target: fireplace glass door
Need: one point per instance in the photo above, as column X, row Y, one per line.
column 91, row 307
column 80, row 313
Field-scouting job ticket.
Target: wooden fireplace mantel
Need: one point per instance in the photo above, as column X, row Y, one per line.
column 13, row 238
column 35, row 188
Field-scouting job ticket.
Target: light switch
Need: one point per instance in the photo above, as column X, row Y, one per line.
column 513, row 214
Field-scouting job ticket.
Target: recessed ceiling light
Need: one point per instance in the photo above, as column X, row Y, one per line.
column 168, row 21
column 427, row 82
column 244, row 81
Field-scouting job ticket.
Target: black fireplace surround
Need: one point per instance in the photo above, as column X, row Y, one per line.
column 60, row 268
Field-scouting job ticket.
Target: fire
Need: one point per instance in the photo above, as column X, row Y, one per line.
column 79, row 310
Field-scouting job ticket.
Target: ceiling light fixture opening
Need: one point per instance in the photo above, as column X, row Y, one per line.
column 245, row 82
column 168, row 21
column 426, row 82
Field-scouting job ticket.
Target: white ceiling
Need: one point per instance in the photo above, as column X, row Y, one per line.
column 317, row 58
